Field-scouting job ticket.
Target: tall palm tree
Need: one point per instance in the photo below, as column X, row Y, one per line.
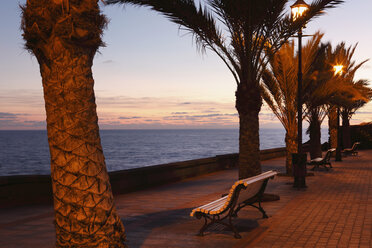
column 279, row 88
column 318, row 89
column 342, row 55
column 321, row 92
column 64, row 36
column 244, row 34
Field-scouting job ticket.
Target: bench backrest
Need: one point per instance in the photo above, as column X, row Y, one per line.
column 355, row 145
column 251, row 186
column 327, row 156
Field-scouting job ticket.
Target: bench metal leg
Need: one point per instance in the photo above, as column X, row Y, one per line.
column 259, row 207
column 204, row 227
column 217, row 219
column 232, row 227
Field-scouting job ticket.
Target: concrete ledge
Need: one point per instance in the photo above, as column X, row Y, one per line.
column 35, row 189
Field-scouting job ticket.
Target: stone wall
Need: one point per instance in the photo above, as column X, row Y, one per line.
column 35, row 189
column 362, row 133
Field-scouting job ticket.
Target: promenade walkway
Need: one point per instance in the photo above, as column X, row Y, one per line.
column 334, row 211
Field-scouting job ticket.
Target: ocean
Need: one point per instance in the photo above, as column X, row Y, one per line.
column 27, row 152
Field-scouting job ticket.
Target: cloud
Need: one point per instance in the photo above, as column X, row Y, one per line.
column 212, row 110
column 129, row 117
column 179, row 113
column 11, row 99
column 16, row 121
column 201, row 117
column 109, row 61
column 364, row 112
column 159, row 105
column 8, row 115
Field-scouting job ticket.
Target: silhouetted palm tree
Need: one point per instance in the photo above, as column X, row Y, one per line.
column 64, row 37
column 244, row 34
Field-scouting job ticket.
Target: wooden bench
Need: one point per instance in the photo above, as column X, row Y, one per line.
column 322, row 161
column 244, row 192
column 353, row 150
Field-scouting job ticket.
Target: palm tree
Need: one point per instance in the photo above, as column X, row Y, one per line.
column 319, row 88
column 348, row 110
column 315, row 117
column 320, row 92
column 332, row 126
column 64, row 37
column 279, row 88
column 244, row 34
column 343, row 55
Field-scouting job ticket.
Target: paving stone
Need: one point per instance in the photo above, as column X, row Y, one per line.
column 334, row 211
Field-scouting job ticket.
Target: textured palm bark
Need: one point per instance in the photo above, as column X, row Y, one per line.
column 291, row 147
column 346, row 133
column 315, row 143
column 248, row 104
column 85, row 215
column 84, row 209
column 332, row 127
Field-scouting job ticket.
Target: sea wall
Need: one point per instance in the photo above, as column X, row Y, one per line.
column 35, row 189
column 362, row 133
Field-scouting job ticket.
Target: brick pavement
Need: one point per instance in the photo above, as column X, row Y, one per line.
column 332, row 212
column 335, row 210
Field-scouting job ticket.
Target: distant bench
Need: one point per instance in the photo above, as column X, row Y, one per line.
column 353, row 150
column 322, row 161
column 244, row 192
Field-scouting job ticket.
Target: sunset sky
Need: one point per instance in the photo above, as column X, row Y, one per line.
column 151, row 75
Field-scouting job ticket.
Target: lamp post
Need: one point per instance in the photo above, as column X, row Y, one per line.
column 298, row 9
column 338, row 72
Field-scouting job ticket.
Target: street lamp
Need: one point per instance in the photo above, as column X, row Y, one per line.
column 338, row 72
column 299, row 9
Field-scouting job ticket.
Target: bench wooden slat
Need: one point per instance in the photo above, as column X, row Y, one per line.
column 213, row 202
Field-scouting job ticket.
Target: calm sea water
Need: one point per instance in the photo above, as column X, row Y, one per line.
column 27, row 152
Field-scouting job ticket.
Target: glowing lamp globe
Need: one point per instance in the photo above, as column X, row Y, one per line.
column 298, row 9
column 338, row 69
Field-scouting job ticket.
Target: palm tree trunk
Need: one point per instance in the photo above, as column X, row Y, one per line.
column 332, row 127
column 248, row 104
column 291, row 147
column 346, row 136
column 315, row 144
column 85, row 215
column 83, row 202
